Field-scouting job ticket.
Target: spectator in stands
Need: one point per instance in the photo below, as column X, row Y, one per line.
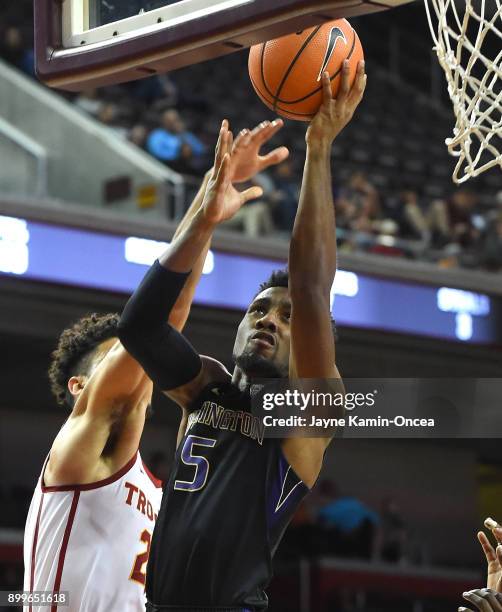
column 471, row 240
column 491, row 250
column 156, row 88
column 451, row 221
column 89, row 102
column 349, row 523
column 285, row 195
column 14, row 50
column 11, row 47
column 109, row 114
column 387, row 242
column 358, row 204
column 177, row 147
column 495, row 212
column 411, row 217
column 392, row 534
column 498, row 201
column 138, row 135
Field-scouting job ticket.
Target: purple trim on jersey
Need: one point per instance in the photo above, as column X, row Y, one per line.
column 285, row 492
column 274, row 493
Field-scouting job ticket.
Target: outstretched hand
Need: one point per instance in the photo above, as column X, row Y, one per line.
column 222, row 201
column 246, row 160
column 485, row 600
column 493, row 559
column 334, row 114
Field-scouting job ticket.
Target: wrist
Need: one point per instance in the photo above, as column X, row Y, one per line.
column 319, row 148
column 203, row 222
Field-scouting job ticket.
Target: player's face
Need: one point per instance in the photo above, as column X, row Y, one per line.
column 263, row 338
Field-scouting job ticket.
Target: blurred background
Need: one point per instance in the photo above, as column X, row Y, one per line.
column 91, row 187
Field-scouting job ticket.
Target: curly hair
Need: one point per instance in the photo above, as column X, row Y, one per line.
column 75, row 351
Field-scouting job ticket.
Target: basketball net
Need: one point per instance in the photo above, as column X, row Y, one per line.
column 474, row 80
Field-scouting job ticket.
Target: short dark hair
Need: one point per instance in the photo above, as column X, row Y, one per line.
column 280, row 278
column 75, row 350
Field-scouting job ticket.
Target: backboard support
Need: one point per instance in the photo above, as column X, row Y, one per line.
column 78, row 45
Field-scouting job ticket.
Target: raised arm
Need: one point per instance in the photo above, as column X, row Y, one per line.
column 118, row 389
column 312, row 253
column 166, row 356
column 181, row 309
column 120, row 375
column 120, row 378
column 312, row 261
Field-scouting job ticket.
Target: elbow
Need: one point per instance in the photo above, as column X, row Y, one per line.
column 134, row 323
column 126, row 332
column 130, row 333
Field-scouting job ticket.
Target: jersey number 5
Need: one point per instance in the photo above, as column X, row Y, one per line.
column 199, row 462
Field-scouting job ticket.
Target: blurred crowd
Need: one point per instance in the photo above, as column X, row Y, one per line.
column 175, row 123
column 454, row 230
column 331, row 523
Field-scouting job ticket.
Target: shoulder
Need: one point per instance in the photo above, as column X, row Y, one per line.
column 214, row 370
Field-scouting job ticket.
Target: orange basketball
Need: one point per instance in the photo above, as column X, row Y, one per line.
column 286, row 72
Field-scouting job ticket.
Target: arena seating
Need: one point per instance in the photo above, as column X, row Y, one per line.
column 396, row 139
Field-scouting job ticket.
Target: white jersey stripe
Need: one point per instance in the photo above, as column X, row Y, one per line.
column 64, row 545
column 34, row 547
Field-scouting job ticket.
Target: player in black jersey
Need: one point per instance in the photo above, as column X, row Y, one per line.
column 232, row 492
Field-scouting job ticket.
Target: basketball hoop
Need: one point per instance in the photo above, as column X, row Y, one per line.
column 468, row 43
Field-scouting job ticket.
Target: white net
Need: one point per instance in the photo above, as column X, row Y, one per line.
column 468, row 42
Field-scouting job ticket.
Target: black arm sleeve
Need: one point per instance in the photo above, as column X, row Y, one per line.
column 166, row 356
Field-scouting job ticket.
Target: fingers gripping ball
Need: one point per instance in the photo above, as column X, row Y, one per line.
column 286, row 72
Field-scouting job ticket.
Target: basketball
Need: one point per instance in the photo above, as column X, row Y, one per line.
column 286, row 72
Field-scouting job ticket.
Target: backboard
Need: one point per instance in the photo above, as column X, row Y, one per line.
column 90, row 43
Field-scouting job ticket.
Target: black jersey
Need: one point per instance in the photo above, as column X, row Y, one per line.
column 226, row 505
